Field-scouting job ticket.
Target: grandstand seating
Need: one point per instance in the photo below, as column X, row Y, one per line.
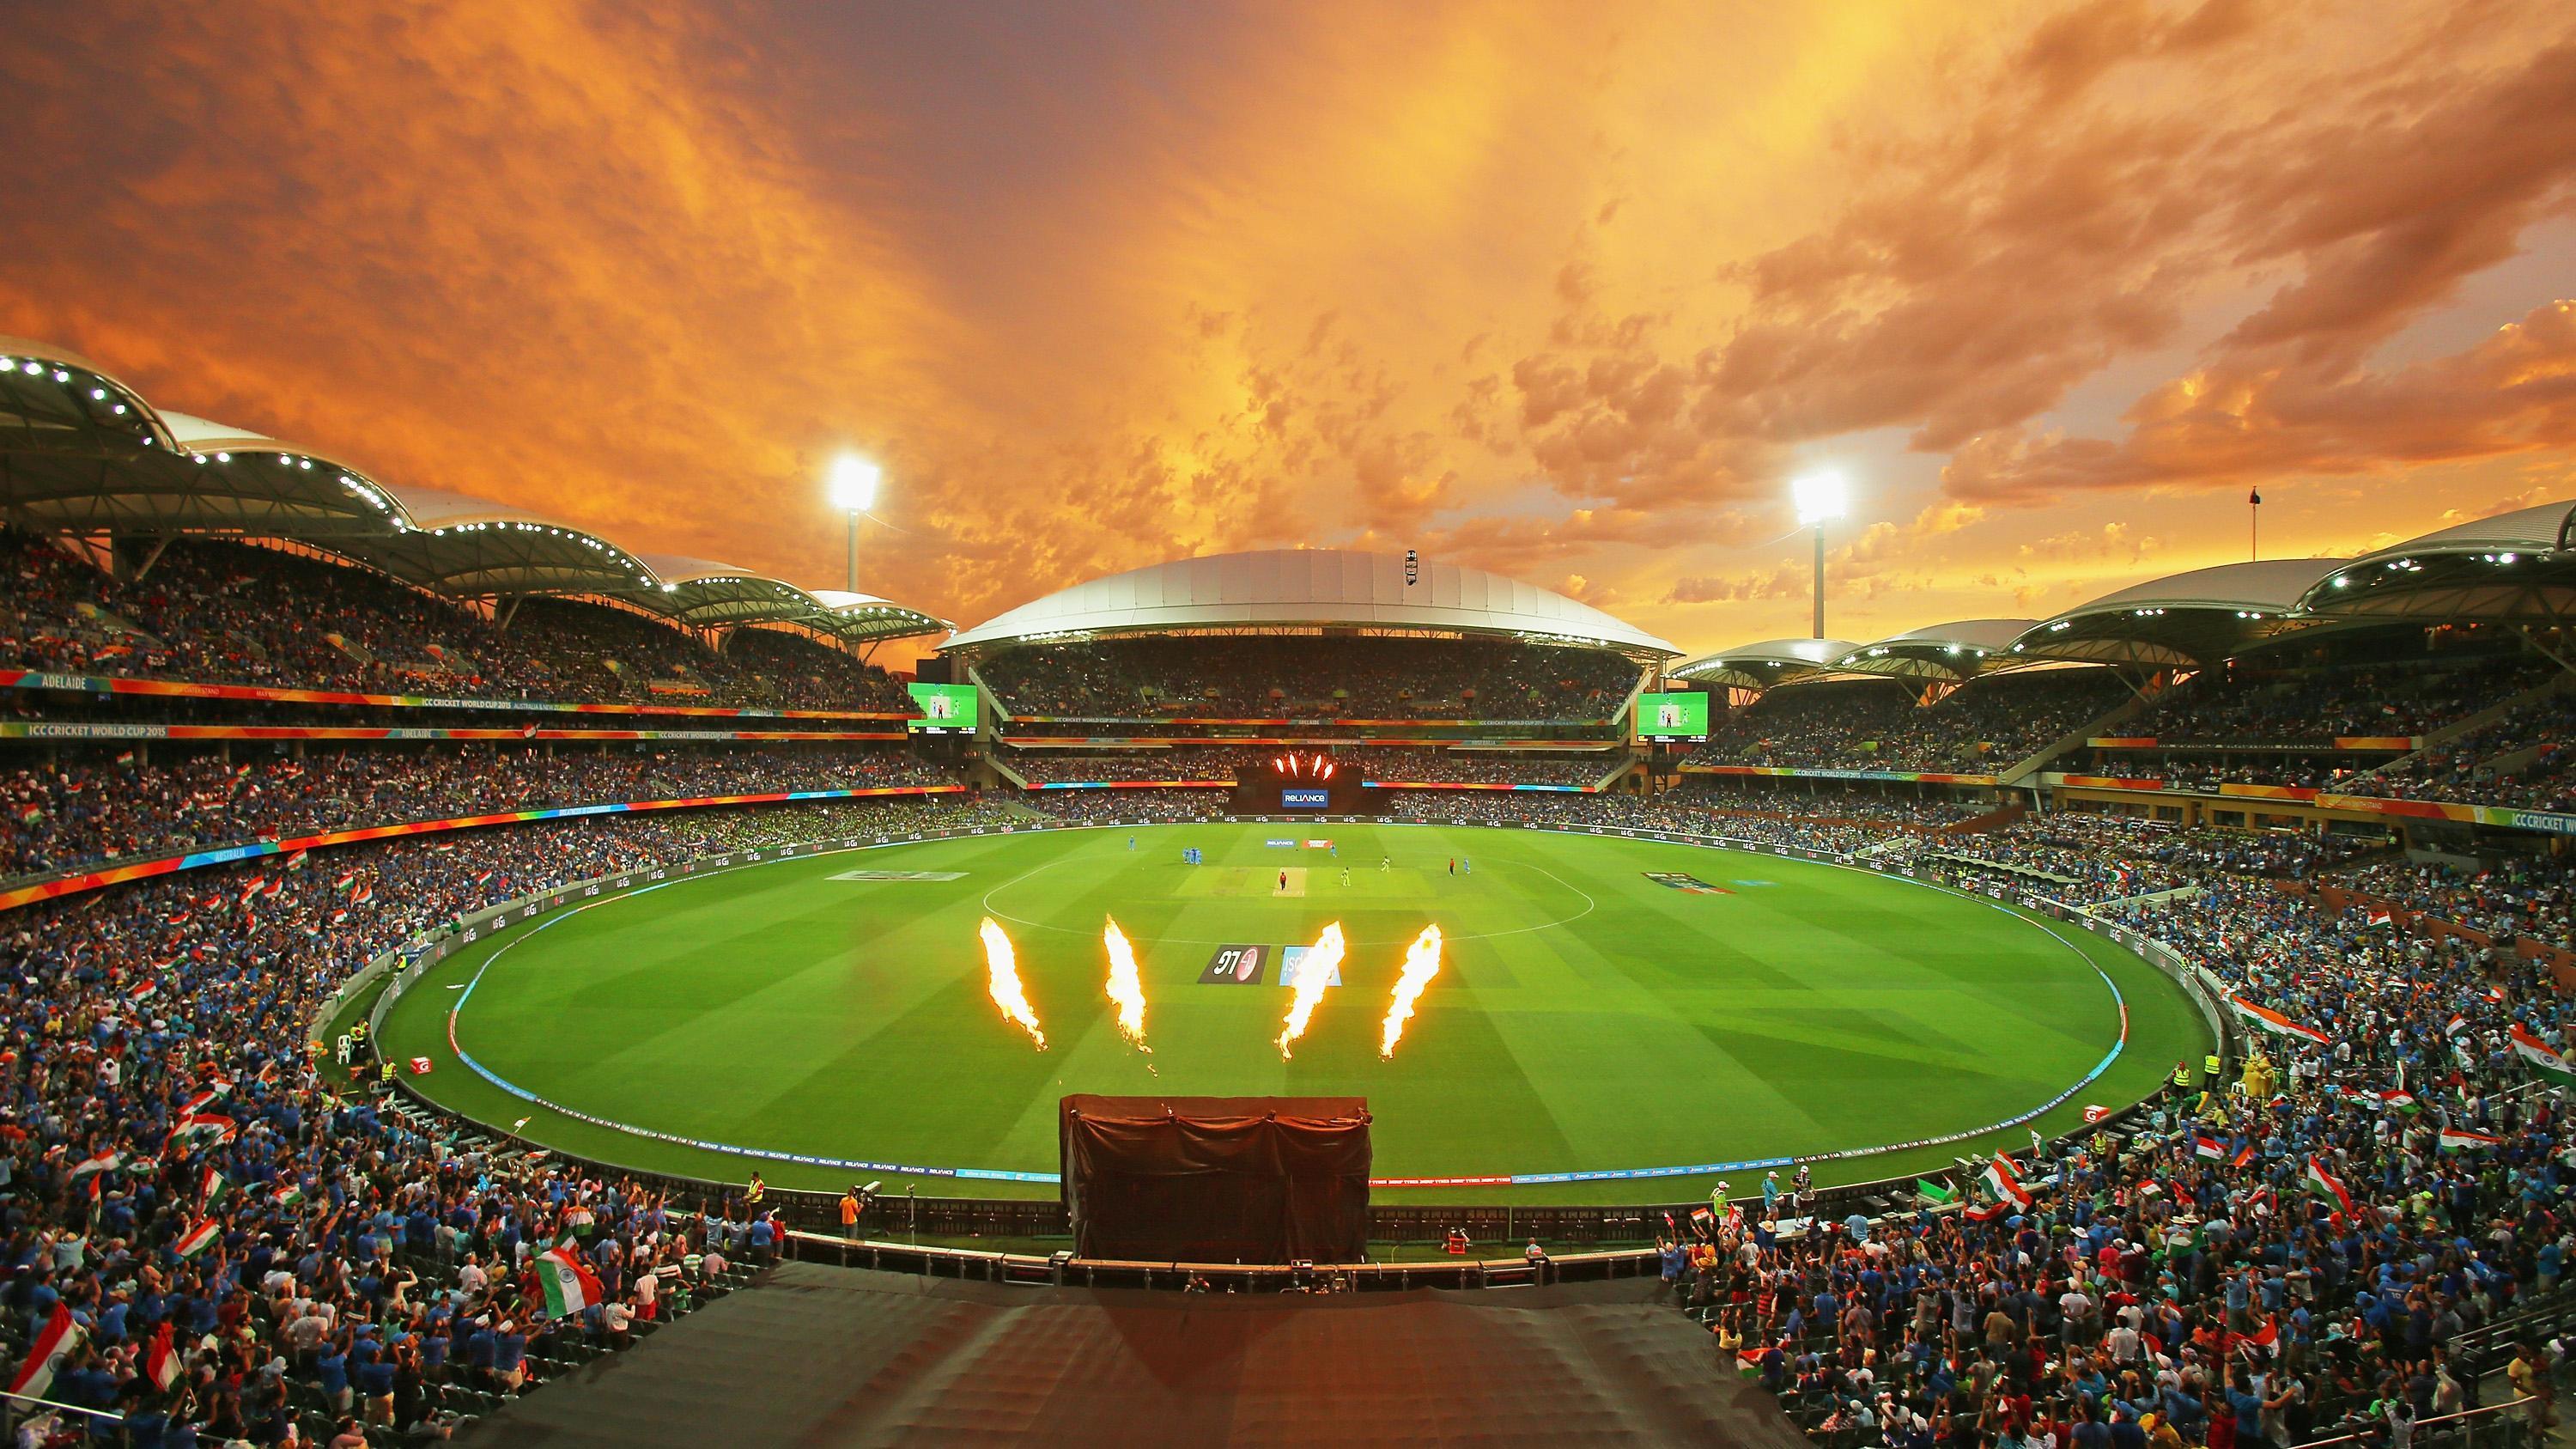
column 1984, row 725
column 1266, row 675
column 80, row 816
column 226, row 613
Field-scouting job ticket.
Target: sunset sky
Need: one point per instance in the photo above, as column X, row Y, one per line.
column 1568, row 291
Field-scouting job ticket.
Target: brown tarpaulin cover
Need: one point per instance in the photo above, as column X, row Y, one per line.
column 824, row 1357
column 1217, row 1179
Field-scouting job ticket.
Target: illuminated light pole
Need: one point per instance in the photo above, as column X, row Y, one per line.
column 854, row 491
column 1820, row 498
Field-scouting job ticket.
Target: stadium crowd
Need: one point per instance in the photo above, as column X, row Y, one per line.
column 249, row 1249
column 225, row 613
column 2358, row 692
column 81, row 815
column 1877, row 725
column 1269, row 675
column 2266, row 1262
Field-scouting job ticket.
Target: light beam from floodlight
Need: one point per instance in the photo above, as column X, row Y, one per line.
column 853, row 490
column 1820, row 498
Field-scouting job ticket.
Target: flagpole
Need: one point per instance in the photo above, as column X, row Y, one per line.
column 2254, row 524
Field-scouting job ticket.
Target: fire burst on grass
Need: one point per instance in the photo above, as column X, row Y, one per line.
column 1421, row 963
column 1126, row 986
column 1002, row 978
column 1313, row 974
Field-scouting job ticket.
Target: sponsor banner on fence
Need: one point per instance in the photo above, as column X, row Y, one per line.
column 50, row 730
column 178, row 689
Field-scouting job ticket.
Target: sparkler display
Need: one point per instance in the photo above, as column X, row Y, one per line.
column 1126, row 987
column 1323, row 959
column 1421, row 963
column 1002, row 979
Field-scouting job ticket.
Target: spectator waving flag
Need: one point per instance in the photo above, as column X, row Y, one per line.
column 2266, row 1019
column 2325, row 1182
column 2208, row 1149
column 197, row 1239
column 161, row 1360
column 2456, row 1139
column 570, row 1285
column 2004, row 1183
column 46, row 1354
column 2545, row 1061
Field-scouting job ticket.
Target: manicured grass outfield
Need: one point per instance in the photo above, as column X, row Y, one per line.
column 1587, row 1017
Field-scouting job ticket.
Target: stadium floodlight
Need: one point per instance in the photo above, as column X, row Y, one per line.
column 1820, row 498
column 853, row 490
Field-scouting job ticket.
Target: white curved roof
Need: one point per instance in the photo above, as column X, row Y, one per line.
column 1331, row 587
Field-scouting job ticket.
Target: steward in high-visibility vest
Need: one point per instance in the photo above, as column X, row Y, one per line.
column 2210, row 1070
column 2182, row 1076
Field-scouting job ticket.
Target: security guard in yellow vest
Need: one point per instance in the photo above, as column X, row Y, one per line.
column 2211, row 1068
column 2182, row 1076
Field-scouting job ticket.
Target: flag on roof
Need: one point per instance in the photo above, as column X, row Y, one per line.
column 46, row 1354
column 2272, row 1021
column 2544, row 1060
column 570, row 1286
column 2455, row 1139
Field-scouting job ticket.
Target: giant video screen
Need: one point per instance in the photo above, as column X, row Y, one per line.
column 1672, row 716
column 946, row 709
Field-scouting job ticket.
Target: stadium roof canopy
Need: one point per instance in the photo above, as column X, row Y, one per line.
column 81, row 453
column 1309, row 588
column 1960, row 650
column 2187, row 619
column 1773, row 661
column 2514, row 567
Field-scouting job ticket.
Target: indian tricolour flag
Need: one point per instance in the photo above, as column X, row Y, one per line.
column 2326, row 1182
column 197, row 1239
column 2003, row 1182
column 2545, row 1061
column 570, row 1286
column 2456, row 1140
column 287, row 1195
column 46, row 1354
column 2266, row 1019
column 2208, row 1148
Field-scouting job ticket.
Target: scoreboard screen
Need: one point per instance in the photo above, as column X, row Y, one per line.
column 945, row 708
column 1672, row 716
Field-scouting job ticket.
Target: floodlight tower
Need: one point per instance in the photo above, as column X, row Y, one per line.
column 1820, row 498
column 853, row 490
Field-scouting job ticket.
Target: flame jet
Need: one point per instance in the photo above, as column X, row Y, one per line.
column 1421, row 963
column 1002, row 979
column 1313, row 974
column 1126, row 986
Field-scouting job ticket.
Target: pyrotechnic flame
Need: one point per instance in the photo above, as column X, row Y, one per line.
column 1322, row 960
column 1421, row 963
column 1126, row 988
column 1002, row 978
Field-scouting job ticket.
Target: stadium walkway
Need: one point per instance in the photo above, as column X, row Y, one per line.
column 826, row 1357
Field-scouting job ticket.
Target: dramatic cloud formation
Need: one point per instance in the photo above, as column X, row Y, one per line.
column 1568, row 294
